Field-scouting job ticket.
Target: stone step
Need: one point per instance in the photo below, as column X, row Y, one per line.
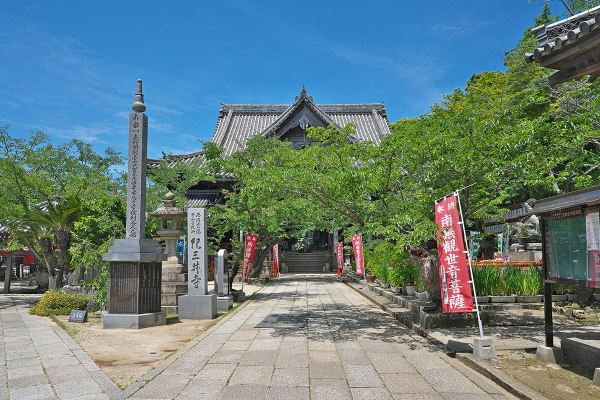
column 174, row 277
column 174, row 287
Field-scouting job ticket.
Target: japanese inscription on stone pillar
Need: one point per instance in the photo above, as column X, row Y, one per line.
column 136, row 175
column 197, row 255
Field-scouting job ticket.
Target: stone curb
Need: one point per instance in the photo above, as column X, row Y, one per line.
column 505, row 381
column 140, row 383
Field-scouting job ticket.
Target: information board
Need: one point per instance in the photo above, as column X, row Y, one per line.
column 572, row 246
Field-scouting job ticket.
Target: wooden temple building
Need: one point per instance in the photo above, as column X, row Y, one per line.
column 237, row 123
column 570, row 46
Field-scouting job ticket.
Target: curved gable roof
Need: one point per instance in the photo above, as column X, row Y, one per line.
column 239, row 122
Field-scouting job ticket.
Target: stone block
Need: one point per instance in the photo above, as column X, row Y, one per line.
column 174, row 288
column 174, row 277
column 596, row 380
column 133, row 321
column 585, row 352
column 552, row 355
column 484, row 348
column 224, row 303
column 168, row 300
column 198, row 306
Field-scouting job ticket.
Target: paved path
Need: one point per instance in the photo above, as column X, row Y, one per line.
column 38, row 360
column 311, row 337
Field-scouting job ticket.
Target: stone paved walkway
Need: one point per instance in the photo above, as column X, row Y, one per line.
column 311, row 337
column 38, row 360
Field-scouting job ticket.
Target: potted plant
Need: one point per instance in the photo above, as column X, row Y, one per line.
column 531, row 285
column 396, row 278
column 482, row 276
column 501, row 286
column 420, row 291
column 411, row 274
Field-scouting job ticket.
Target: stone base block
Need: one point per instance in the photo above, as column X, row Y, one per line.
column 133, row 321
column 169, row 309
column 198, row 307
column 596, row 380
column 552, row 355
column 240, row 296
column 484, row 348
column 224, row 303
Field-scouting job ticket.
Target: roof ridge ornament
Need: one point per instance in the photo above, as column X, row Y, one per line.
column 138, row 103
column 304, row 95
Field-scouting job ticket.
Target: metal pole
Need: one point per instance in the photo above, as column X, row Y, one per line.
column 548, row 326
column 472, row 281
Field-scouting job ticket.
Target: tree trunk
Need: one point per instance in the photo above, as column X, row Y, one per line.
column 8, row 272
column 235, row 268
column 259, row 259
column 59, row 278
column 428, row 271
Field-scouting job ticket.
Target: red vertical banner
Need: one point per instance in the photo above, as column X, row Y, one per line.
column 358, row 253
column 454, row 270
column 248, row 255
column 339, row 252
column 275, row 260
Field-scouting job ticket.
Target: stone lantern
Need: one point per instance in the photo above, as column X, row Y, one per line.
column 174, row 279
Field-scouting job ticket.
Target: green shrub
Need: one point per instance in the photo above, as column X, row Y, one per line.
column 57, row 302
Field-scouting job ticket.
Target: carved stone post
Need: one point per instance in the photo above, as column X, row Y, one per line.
column 134, row 283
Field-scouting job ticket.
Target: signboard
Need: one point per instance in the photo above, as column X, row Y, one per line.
column 78, row 316
column 181, row 247
column 474, row 245
column 339, row 252
column 248, row 255
column 275, row 260
column 197, row 252
column 572, row 246
column 358, row 253
column 454, row 272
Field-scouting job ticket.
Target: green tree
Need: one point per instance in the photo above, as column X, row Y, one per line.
column 36, row 173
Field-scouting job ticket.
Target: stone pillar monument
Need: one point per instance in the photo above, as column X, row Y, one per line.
column 224, row 300
column 197, row 304
column 174, row 274
column 134, row 283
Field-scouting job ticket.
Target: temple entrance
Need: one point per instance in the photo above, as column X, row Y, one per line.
column 308, row 254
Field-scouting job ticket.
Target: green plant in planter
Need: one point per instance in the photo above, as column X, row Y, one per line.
column 381, row 272
column 410, row 272
column 512, row 280
column 494, row 280
column 395, row 275
column 532, row 282
column 420, row 286
column 483, row 276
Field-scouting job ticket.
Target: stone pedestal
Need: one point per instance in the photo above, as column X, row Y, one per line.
column 596, row 380
column 198, row 306
column 224, row 303
column 134, row 284
column 553, row 355
column 484, row 348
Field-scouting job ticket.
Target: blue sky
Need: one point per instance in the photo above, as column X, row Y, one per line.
column 69, row 69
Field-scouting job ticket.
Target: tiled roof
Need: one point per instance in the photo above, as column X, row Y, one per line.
column 238, row 122
column 203, row 198
column 569, row 45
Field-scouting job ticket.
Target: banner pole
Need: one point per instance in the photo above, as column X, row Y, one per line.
column 468, row 251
